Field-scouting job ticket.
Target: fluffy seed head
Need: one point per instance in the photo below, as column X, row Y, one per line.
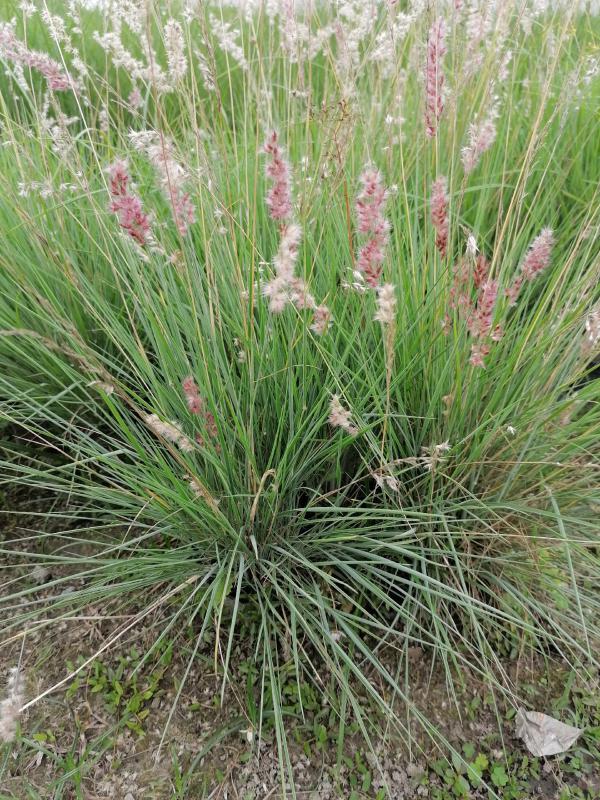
column 192, row 395
column 480, row 325
column 13, row 49
column 513, row 291
column 172, row 176
column 175, row 50
column 370, row 205
column 321, row 320
column 479, row 351
column 538, row 255
column 481, row 137
column 287, row 254
column 169, row 431
column 10, row 707
column 279, row 197
column 592, row 329
column 126, row 205
column 434, row 76
column 386, row 304
column 276, row 291
column 439, row 213
column 339, row 417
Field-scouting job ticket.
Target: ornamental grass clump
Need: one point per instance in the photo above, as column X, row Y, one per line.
column 320, row 471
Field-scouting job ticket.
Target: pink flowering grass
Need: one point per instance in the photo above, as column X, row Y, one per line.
column 279, row 197
column 434, row 76
column 370, row 205
column 286, row 287
column 480, row 323
column 173, row 177
column 538, row 255
column 439, row 214
column 15, row 50
column 537, row 259
column 192, row 395
column 481, row 137
column 282, row 397
column 127, row 205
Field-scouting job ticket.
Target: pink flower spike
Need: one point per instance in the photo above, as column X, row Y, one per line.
column 371, row 220
column 276, row 290
column 119, row 179
column 13, row 49
column 370, row 202
column 480, row 325
column 478, row 353
column 173, row 177
column 287, row 254
column 192, row 396
column 299, row 294
column 538, row 255
column 439, row 213
column 480, row 273
column 340, row 417
column 512, row 293
column 434, row 76
column 321, row 320
column 126, row 205
column 481, row 138
column 279, row 197
column 184, row 212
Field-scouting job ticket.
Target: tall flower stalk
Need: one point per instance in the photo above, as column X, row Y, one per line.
column 434, row 76
column 285, row 287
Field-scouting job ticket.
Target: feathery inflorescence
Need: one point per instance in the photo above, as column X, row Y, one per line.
column 538, row 255
column 197, row 406
column 286, row 287
column 173, row 178
column 169, row 431
column 192, row 395
column 279, row 197
column 175, row 50
column 535, row 262
column 10, row 707
column 370, row 205
column 592, row 329
column 439, row 213
column 480, row 323
column 340, row 417
column 127, row 205
column 434, row 76
column 482, row 136
column 13, row 49
column 386, row 304
column 278, row 289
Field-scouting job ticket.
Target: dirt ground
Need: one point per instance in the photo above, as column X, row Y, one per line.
column 121, row 728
